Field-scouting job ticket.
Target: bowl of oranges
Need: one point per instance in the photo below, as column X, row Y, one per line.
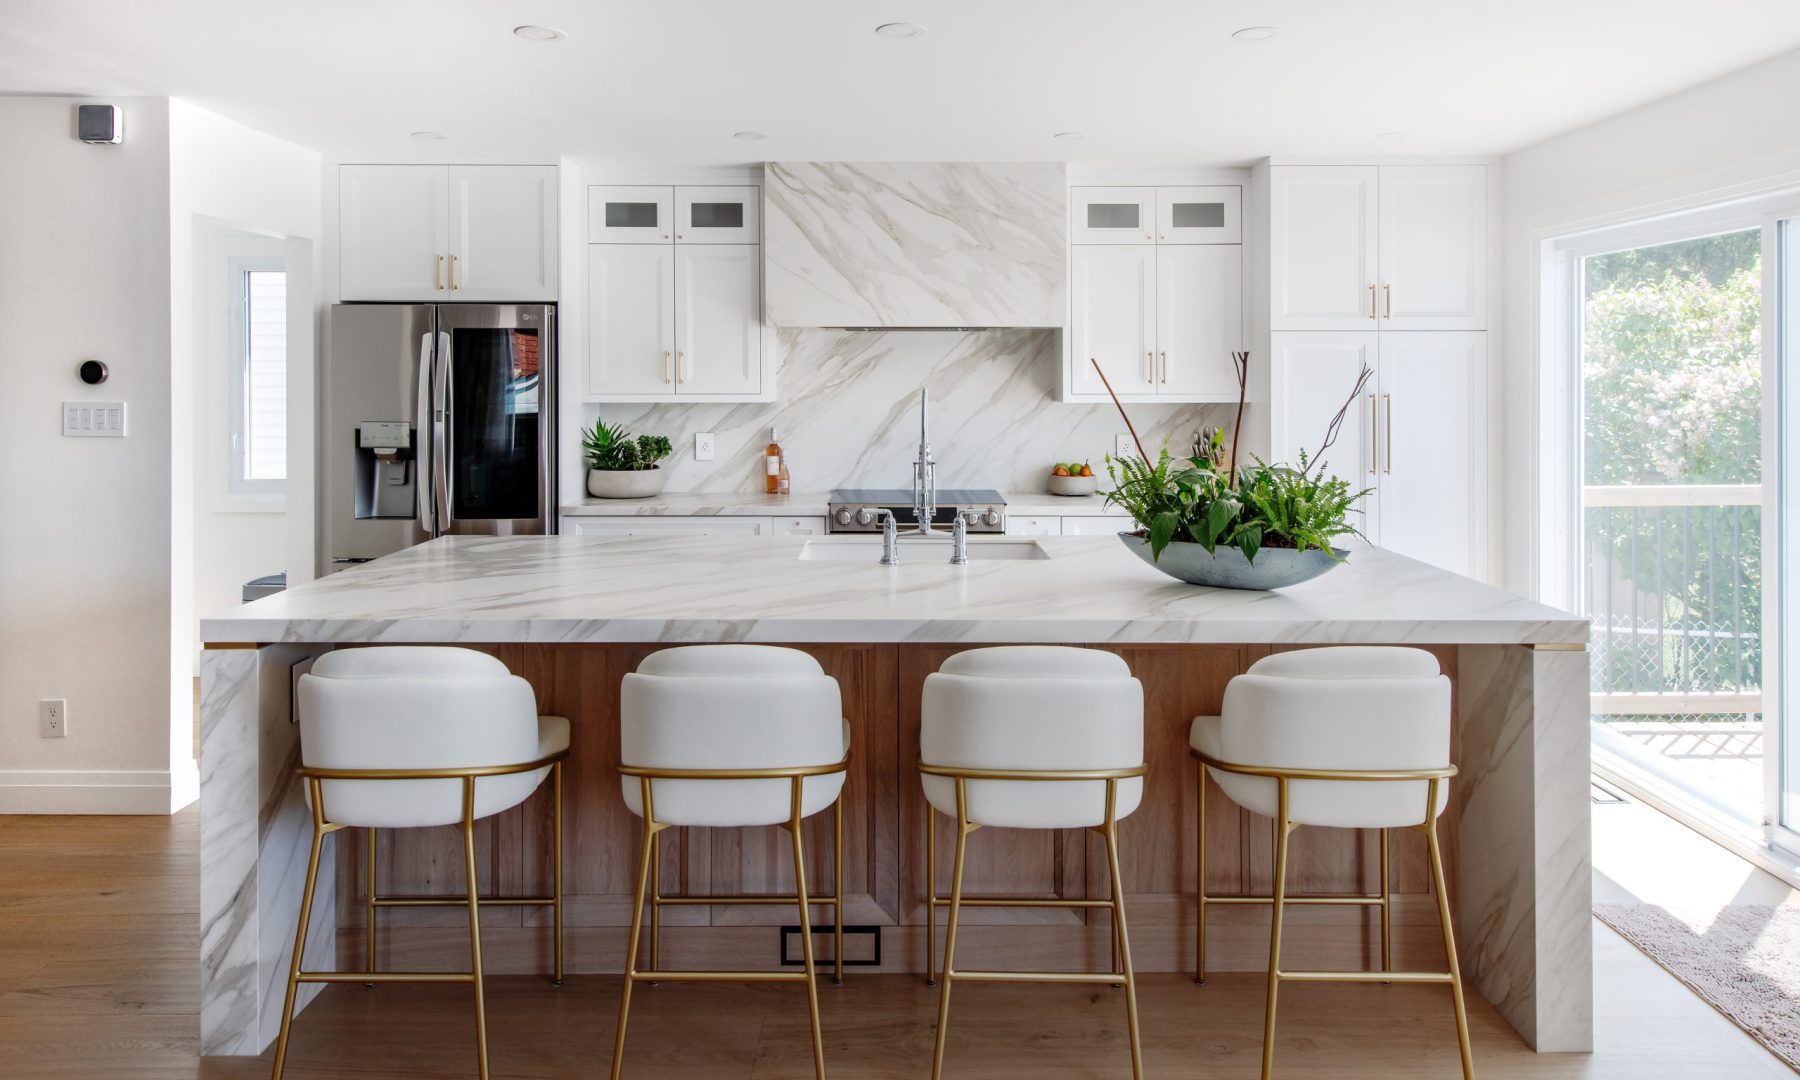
column 1073, row 478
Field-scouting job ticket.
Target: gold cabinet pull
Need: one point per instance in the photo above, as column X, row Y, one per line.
column 1150, row 360
column 1371, row 301
column 665, row 365
column 1165, row 367
column 680, row 366
column 1388, row 292
column 453, row 284
column 437, row 273
column 1388, row 400
column 1374, row 432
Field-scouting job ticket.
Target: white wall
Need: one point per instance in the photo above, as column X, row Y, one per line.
column 85, row 524
column 1734, row 137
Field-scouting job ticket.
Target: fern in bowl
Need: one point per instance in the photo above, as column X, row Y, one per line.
column 1210, row 521
column 621, row 466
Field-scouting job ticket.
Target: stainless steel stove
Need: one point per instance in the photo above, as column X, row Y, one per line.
column 856, row 510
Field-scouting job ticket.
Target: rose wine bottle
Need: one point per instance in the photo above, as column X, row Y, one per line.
column 772, row 465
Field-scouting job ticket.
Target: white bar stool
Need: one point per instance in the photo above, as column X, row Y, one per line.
column 1030, row 737
column 728, row 736
column 415, row 737
column 1349, row 737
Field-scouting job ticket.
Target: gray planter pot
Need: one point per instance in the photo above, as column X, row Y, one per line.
column 1226, row 568
column 628, row 484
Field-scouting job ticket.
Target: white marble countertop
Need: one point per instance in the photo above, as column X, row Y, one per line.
column 808, row 504
column 1090, row 590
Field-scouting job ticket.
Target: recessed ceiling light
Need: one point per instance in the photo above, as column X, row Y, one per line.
column 900, row 30
column 1069, row 136
column 750, row 136
column 1390, row 136
column 1255, row 33
column 430, row 136
column 539, row 33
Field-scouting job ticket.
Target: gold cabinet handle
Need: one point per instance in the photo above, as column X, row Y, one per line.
column 453, row 284
column 680, row 366
column 1388, row 292
column 1388, row 400
column 1371, row 301
column 665, row 365
column 1374, row 433
column 437, row 273
column 1165, row 367
column 1150, row 360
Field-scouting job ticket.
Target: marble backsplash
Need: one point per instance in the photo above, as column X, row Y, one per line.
column 848, row 414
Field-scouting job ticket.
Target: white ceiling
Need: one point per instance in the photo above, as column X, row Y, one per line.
column 669, row 81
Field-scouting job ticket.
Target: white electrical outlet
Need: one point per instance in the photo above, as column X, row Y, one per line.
column 705, row 446
column 94, row 419
column 53, row 718
column 1123, row 446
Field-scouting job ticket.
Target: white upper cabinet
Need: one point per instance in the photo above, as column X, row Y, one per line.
column 1322, row 247
column 1112, row 215
column 718, row 319
column 1199, row 215
column 1433, row 272
column 1113, row 319
column 718, row 215
column 1432, row 447
column 1199, row 319
column 631, row 215
column 393, row 232
column 475, row 233
column 502, row 233
column 631, row 319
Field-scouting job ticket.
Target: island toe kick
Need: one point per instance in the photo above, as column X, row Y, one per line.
column 1516, row 845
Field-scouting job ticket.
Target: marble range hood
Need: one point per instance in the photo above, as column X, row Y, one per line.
column 915, row 245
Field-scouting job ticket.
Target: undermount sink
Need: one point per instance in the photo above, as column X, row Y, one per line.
column 868, row 549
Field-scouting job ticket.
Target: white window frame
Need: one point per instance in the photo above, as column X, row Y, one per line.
column 262, row 494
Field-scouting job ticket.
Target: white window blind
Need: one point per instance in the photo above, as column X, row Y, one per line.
column 261, row 423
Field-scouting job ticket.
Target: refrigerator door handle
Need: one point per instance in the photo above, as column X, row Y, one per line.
column 440, row 440
column 421, row 432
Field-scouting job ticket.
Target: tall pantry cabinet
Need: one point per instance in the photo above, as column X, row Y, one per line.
column 1384, row 266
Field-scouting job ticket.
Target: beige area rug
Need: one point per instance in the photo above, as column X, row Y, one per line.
column 1743, row 960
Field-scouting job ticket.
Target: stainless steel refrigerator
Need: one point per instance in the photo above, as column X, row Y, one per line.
column 436, row 419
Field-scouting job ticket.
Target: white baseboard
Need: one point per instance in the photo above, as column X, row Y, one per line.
column 97, row 791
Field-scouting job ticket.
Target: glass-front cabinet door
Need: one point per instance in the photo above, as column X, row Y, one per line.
column 631, row 215
column 718, row 215
column 1113, row 215
column 1200, row 215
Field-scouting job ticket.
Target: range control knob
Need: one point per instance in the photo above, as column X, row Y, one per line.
column 992, row 517
column 864, row 516
column 842, row 516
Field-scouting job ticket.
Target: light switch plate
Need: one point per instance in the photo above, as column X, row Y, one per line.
column 705, row 446
column 94, row 419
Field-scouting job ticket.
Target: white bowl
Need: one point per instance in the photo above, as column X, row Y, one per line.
column 1073, row 485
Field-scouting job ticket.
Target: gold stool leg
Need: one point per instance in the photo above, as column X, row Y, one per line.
column 1443, row 904
column 656, row 903
column 963, row 828
column 930, row 895
column 1200, row 873
column 1121, row 936
column 637, row 930
column 370, row 835
column 556, row 863
column 1387, row 926
column 1283, row 829
column 306, row 901
column 837, row 870
column 806, row 941
column 468, row 827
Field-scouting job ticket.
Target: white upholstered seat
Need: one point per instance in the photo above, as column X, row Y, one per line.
column 1033, row 708
column 406, row 707
column 1361, row 708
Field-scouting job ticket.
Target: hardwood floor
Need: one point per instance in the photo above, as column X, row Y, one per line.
column 98, row 939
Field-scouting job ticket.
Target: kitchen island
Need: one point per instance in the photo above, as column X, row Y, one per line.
column 573, row 614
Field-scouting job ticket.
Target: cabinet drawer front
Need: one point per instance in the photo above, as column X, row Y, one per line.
column 1018, row 525
column 1200, row 215
column 631, row 215
column 1104, row 525
column 631, row 319
column 718, row 215
column 667, row 526
column 1112, row 215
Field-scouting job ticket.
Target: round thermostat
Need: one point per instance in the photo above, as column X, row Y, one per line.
column 93, row 372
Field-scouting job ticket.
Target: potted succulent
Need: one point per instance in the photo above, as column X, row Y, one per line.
column 1208, row 520
column 621, row 466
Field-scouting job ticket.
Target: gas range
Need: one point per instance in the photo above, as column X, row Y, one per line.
column 855, row 510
